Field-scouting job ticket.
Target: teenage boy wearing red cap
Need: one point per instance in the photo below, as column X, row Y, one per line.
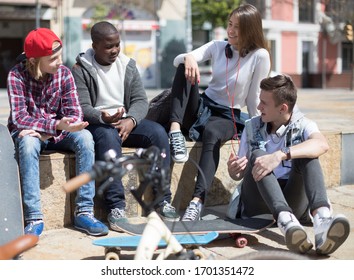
column 45, row 114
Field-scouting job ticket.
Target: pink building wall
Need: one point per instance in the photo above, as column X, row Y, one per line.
column 331, row 56
column 288, row 57
column 283, row 10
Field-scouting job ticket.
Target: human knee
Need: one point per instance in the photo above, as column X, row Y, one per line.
column 181, row 68
column 29, row 145
column 155, row 132
column 107, row 137
column 210, row 135
column 84, row 140
column 311, row 164
column 255, row 154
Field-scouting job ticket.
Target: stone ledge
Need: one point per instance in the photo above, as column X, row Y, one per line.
column 56, row 168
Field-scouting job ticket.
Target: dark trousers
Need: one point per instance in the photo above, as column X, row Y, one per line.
column 145, row 134
column 303, row 191
column 184, row 108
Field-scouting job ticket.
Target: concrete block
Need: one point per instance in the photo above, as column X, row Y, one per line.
column 347, row 159
column 57, row 168
column 330, row 161
column 184, row 177
column 57, row 206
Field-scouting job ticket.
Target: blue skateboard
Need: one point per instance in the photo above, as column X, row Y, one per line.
column 114, row 245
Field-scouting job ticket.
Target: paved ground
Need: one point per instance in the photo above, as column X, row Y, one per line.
column 333, row 111
column 69, row 244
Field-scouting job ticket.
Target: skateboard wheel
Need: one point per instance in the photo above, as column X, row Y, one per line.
column 241, row 242
column 112, row 256
column 112, row 253
column 199, row 254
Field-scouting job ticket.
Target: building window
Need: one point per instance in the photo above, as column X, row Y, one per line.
column 347, row 55
column 260, row 5
column 306, row 11
column 273, row 53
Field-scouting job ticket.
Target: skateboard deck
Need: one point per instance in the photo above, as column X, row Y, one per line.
column 114, row 245
column 11, row 214
column 220, row 225
column 132, row 241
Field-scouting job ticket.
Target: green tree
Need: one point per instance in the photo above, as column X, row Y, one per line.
column 213, row 11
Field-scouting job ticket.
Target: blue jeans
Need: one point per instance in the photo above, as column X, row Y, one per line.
column 28, row 152
column 147, row 133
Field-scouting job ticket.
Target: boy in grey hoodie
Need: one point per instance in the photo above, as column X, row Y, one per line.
column 115, row 104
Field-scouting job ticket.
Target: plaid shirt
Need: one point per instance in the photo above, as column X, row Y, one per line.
column 37, row 104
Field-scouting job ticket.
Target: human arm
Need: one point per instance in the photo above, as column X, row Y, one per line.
column 69, row 99
column 192, row 59
column 135, row 98
column 19, row 100
column 86, row 86
column 261, row 71
column 315, row 146
column 236, row 166
column 37, row 107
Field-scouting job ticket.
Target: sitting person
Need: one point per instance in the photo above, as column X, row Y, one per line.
column 114, row 103
column 46, row 115
column 278, row 161
column 238, row 66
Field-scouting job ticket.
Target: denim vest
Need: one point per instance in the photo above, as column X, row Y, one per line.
column 256, row 131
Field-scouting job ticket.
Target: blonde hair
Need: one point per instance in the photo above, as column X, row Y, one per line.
column 33, row 64
column 33, row 67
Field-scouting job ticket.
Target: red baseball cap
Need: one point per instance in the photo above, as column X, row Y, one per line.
column 39, row 42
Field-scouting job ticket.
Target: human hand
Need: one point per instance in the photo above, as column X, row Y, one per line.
column 263, row 165
column 68, row 124
column 124, row 127
column 191, row 69
column 33, row 133
column 236, row 166
column 107, row 118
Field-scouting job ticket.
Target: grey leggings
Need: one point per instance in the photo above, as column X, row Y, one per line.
column 303, row 191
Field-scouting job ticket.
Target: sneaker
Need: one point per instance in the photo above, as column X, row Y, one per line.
column 330, row 233
column 116, row 216
column 34, row 227
column 193, row 211
column 167, row 212
column 295, row 235
column 178, row 148
column 85, row 221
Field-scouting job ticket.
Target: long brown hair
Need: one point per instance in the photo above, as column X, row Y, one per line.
column 251, row 35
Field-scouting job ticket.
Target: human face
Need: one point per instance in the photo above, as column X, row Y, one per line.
column 50, row 64
column 270, row 113
column 232, row 31
column 107, row 50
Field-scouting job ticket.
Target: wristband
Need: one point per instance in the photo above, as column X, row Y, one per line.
column 133, row 119
column 286, row 150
